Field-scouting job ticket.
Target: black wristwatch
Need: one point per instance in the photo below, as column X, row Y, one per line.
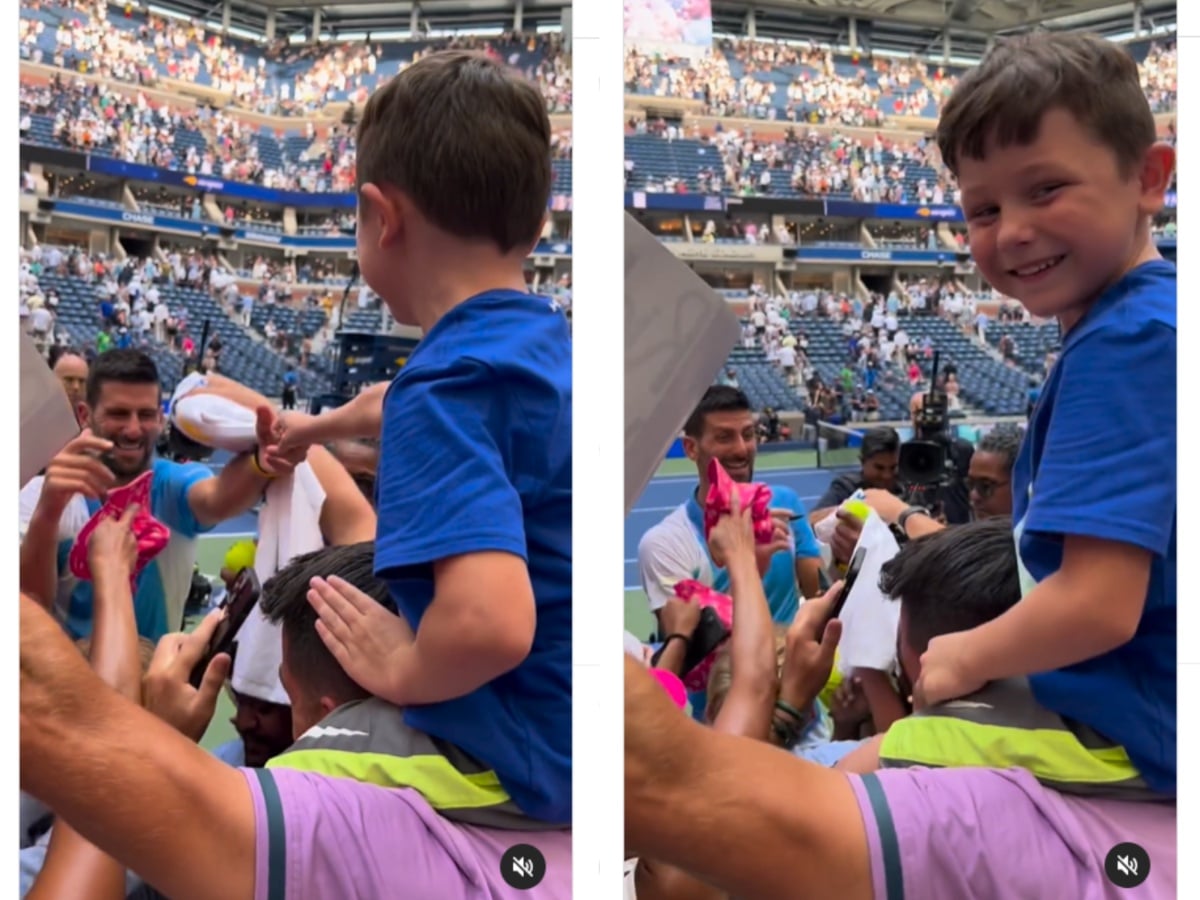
column 902, row 521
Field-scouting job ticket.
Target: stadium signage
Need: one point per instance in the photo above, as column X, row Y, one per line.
column 792, row 206
column 105, row 165
column 200, row 228
column 885, row 255
column 749, row 253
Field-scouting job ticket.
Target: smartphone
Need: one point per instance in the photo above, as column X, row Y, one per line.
column 239, row 601
column 852, row 570
column 709, row 634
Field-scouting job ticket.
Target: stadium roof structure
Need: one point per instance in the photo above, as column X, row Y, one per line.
column 354, row 19
column 922, row 26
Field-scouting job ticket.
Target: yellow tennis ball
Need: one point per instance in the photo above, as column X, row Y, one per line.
column 240, row 556
column 858, row 509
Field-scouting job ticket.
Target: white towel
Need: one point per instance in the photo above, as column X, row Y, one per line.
column 289, row 524
column 211, row 420
column 870, row 619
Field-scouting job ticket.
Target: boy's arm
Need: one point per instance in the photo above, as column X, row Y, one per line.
column 362, row 417
column 1091, row 605
column 480, row 625
column 1111, row 502
column 447, row 508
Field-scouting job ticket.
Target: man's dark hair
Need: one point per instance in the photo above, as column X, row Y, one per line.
column 1022, row 78
column 954, row 579
column 285, row 601
column 718, row 398
column 1003, row 440
column 122, row 366
column 879, row 440
column 467, row 139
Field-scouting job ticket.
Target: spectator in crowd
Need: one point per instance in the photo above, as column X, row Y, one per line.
column 879, row 462
column 1110, row 576
column 71, row 370
column 989, row 478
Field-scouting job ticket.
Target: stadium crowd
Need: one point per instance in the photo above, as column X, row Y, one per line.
column 827, row 88
column 271, row 78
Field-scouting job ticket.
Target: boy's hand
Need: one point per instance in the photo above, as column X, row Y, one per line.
column 945, row 673
column 293, row 430
column 362, row 636
column 272, row 456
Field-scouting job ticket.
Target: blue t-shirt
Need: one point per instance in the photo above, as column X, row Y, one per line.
column 476, row 456
column 168, row 574
column 1099, row 461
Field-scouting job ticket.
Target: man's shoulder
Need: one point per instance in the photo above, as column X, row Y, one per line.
column 170, row 472
column 671, row 528
column 784, row 497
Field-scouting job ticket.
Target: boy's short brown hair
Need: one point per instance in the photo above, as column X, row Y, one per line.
column 1022, row 78
column 468, row 140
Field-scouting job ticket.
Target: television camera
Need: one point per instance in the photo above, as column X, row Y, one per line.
column 926, row 466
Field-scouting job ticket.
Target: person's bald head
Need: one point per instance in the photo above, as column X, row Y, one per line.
column 71, row 370
column 915, row 404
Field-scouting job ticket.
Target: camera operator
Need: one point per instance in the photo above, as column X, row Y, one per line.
column 879, row 458
column 935, row 463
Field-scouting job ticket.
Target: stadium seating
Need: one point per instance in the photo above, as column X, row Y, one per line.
column 242, row 357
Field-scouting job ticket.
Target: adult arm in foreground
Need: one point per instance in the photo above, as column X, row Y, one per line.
column 757, row 838
column 73, row 867
column 105, row 765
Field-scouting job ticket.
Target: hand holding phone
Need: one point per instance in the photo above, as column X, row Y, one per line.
column 238, row 603
column 839, row 603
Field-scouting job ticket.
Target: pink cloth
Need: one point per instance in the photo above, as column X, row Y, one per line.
column 672, row 685
column 756, row 497
column 152, row 535
column 690, row 591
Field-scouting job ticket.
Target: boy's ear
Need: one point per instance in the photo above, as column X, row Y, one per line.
column 383, row 210
column 1158, row 165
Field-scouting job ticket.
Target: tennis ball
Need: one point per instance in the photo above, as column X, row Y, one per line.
column 858, row 509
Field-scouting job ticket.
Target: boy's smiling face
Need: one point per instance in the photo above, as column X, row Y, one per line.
column 1055, row 222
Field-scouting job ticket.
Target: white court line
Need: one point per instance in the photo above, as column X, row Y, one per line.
column 228, row 534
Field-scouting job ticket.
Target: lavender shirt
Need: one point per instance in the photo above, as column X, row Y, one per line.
column 320, row 837
column 946, row 834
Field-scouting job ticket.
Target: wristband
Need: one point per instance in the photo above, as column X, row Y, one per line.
column 666, row 643
column 257, row 466
column 790, row 710
column 902, row 521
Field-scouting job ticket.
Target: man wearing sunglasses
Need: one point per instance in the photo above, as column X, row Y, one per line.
column 990, row 473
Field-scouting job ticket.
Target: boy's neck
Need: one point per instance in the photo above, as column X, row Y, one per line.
column 1147, row 252
column 448, row 283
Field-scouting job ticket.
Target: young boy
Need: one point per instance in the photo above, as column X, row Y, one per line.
column 474, row 484
column 1056, row 154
